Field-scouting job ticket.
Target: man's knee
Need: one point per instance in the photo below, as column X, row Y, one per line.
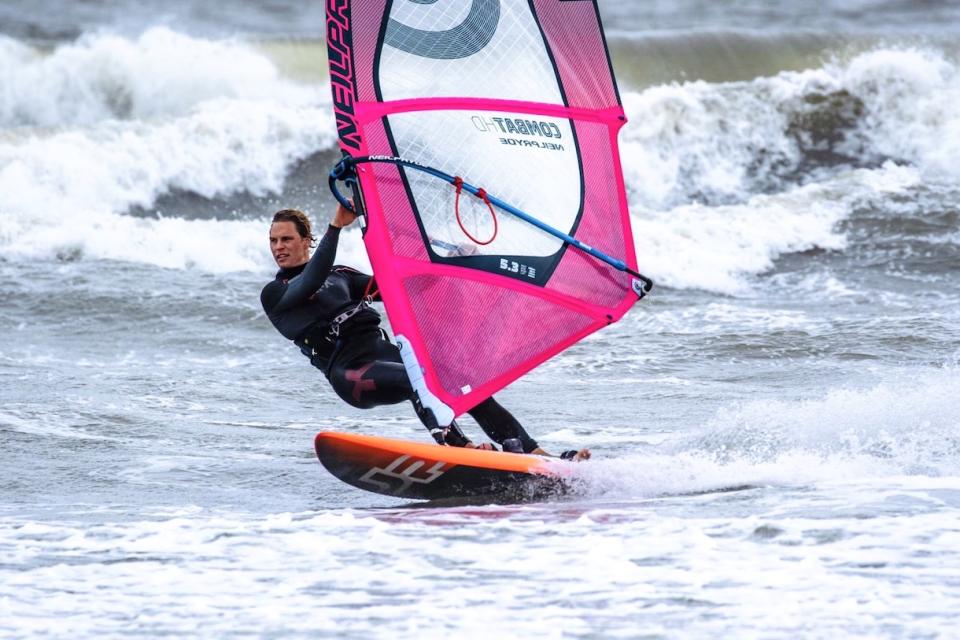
column 371, row 385
column 348, row 385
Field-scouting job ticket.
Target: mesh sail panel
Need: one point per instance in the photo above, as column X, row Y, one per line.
column 514, row 96
column 480, row 331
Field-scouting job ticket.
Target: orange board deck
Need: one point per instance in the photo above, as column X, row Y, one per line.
column 419, row 470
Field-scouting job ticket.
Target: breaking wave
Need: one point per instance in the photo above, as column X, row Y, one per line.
column 723, row 178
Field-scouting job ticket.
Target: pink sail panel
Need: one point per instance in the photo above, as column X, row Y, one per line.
column 516, row 97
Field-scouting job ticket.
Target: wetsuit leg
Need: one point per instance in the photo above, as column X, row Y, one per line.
column 370, row 373
column 366, row 374
column 499, row 424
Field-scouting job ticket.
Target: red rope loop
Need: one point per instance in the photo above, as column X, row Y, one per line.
column 482, row 194
column 371, row 289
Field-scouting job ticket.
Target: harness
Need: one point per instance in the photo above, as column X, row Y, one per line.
column 369, row 293
column 325, row 345
column 333, row 329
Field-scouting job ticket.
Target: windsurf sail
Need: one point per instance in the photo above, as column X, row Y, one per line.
column 480, row 139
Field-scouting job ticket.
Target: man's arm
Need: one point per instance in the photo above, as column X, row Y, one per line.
column 361, row 285
column 301, row 287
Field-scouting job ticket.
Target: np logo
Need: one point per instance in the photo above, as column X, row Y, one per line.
column 403, row 472
column 462, row 41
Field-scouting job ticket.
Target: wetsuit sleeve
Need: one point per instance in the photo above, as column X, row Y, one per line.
column 298, row 289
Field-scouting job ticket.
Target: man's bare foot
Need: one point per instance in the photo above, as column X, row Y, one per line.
column 576, row 456
column 484, row 446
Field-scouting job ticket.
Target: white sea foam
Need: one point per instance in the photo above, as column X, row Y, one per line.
column 65, row 194
column 694, row 139
column 715, row 248
column 160, row 74
column 582, row 568
column 58, row 426
column 205, row 118
column 694, row 155
column 911, row 96
column 698, row 140
column 909, row 423
column 904, row 426
column 716, row 141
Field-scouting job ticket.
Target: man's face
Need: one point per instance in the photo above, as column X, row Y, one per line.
column 286, row 245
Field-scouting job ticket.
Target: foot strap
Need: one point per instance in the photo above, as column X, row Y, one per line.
column 451, row 435
column 512, row 445
column 454, row 437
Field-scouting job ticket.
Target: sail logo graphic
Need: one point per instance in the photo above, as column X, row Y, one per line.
column 516, row 127
column 403, row 472
column 513, row 266
column 339, row 43
column 462, row 41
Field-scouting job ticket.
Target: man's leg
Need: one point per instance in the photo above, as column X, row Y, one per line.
column 371, row 383
column 377, row 377
column 499, row 424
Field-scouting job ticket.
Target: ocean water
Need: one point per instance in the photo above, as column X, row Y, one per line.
column 775, row 430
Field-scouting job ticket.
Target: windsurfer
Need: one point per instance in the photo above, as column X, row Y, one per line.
column 325, row 310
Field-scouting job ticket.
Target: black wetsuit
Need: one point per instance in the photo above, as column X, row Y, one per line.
column 362, row 365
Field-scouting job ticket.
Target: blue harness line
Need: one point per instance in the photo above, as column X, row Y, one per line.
column 345, row 171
